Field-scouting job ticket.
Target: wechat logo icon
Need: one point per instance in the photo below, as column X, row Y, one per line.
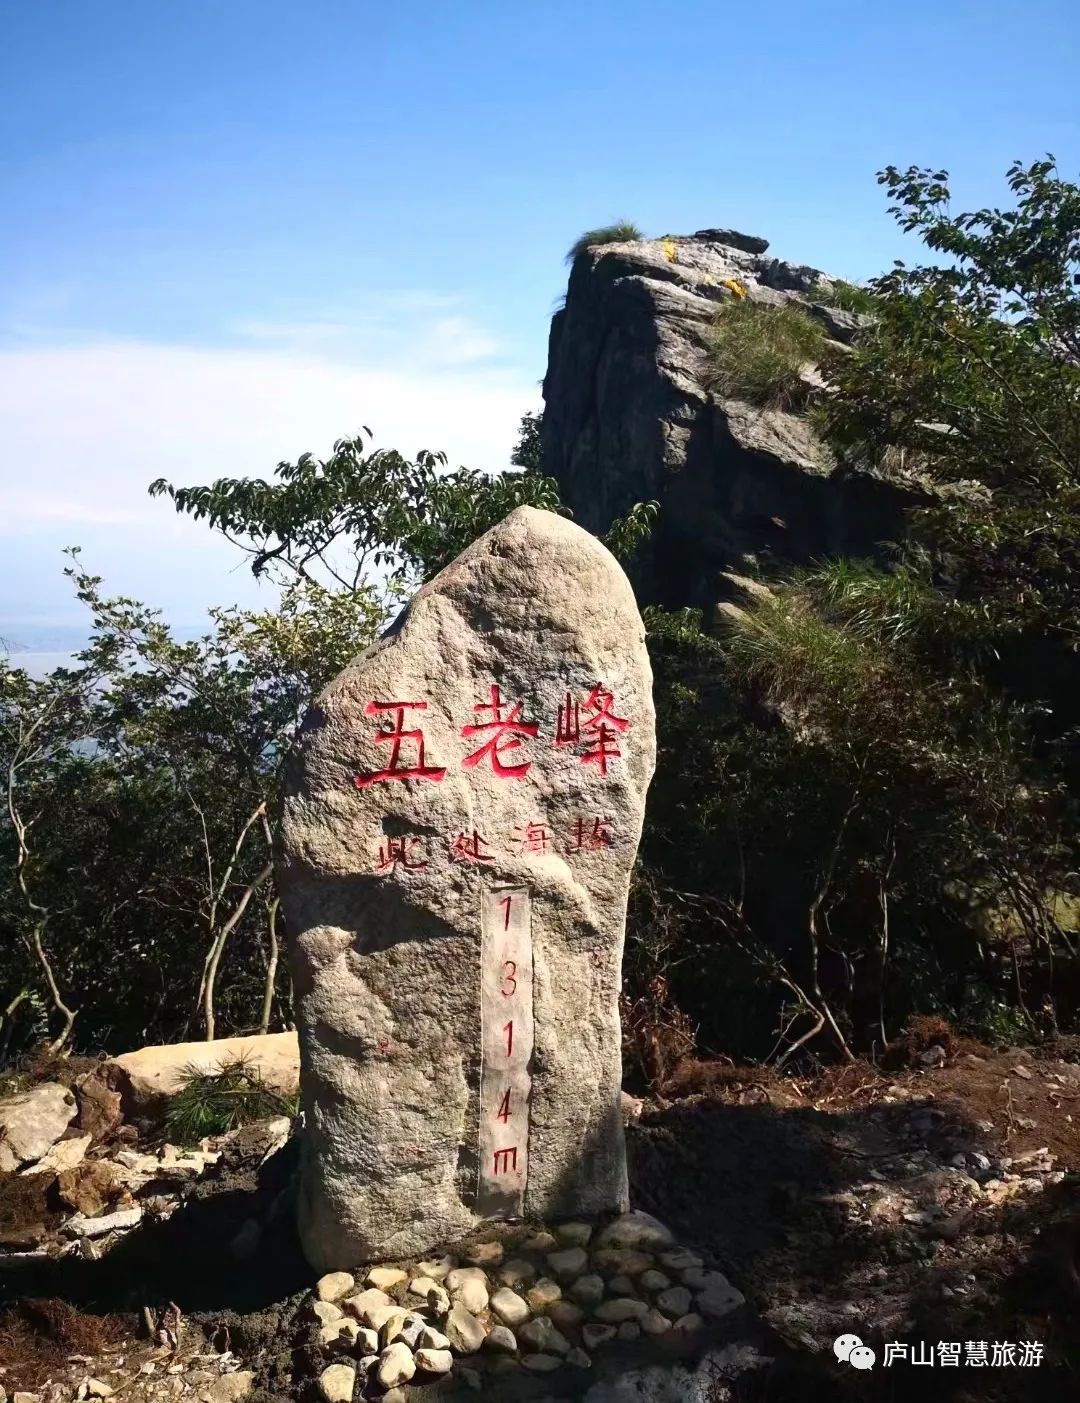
column 849, row 1349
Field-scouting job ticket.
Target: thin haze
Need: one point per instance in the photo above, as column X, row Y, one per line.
column 235, row 233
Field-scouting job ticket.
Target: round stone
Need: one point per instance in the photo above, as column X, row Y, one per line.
column 516, row 1273
column 392, row 1327
column 430, row 1338
column 565, row 1314
column 509, row 1307
column 468, row 1287
column 336, row 1383
column 464, row 1331
column 621, row 1261
column 500, row 1340
column 621, row 1308
column 543, row 1294
column 629, row 1330
column 434, row 1361
column 436, row 1270
column 396, row 1365
column 636, row 1229
column 620, row 1286
column 367, row 1340
column 568, row 1264
column 574, row 1234
column 363, row 1304
column 688, row 1324
column 334, row 1286
column 430, row 1290
column 383, row 1278
column 540, row 1363
column 718, row 1298
column 325, row 1312
column 542, row 1337
column 485, row 1254
column 589, row 1290
column 411, row 1331
column 675, row 1301
column 595, row 1335
column 579, row 1359
column 377, row 1316
column 540, row 1242
column 343, row 1334
column 653, row 1280
column 653, row 1323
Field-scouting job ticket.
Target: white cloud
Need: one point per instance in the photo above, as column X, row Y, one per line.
column 86, row 425
column 86, row 428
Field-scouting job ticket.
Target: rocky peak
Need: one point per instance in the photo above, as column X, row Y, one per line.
column 628, row 418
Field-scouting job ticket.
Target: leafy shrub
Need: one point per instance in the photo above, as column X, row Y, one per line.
column 623, row 232
column 756, row 353
column 849, row 297
column 211, row 1103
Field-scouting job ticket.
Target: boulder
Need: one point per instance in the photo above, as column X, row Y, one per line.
column 147, row 1078
column 32, row 1122
column 461, row 817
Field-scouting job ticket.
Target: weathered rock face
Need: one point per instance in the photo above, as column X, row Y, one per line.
column 627, row 419
column 460, row 823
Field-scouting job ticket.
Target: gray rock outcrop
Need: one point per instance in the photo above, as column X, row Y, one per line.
column 460, row 822
column 627, row 419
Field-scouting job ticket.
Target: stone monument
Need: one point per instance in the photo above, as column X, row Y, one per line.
column 461, row 817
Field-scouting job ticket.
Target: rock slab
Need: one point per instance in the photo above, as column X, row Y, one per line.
column 490, row 754
column 32, row 1122
column 148, row 1077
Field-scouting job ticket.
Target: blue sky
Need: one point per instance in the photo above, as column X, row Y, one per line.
column 235, row 232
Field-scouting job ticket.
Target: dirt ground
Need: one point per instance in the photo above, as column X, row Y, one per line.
column 837, row 1204
column 928, row 1203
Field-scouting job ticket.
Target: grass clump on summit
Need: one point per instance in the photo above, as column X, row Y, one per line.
column 757, row 353
column 624, row 232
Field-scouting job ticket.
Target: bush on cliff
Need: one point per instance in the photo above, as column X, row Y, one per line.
column 758, row 353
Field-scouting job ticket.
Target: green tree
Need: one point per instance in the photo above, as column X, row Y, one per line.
column 358, row 516
column 970, row 381
column 145, row 811
column 528, row 451
column 867, row 777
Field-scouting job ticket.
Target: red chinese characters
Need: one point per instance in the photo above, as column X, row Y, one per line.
column 532, row 838
column 469, row 849
column 505, row 734
column 397, row 852
column 588, row 838
column 594, row 724
column 395, row 737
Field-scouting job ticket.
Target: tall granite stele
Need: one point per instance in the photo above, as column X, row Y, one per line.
column 461, row 817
